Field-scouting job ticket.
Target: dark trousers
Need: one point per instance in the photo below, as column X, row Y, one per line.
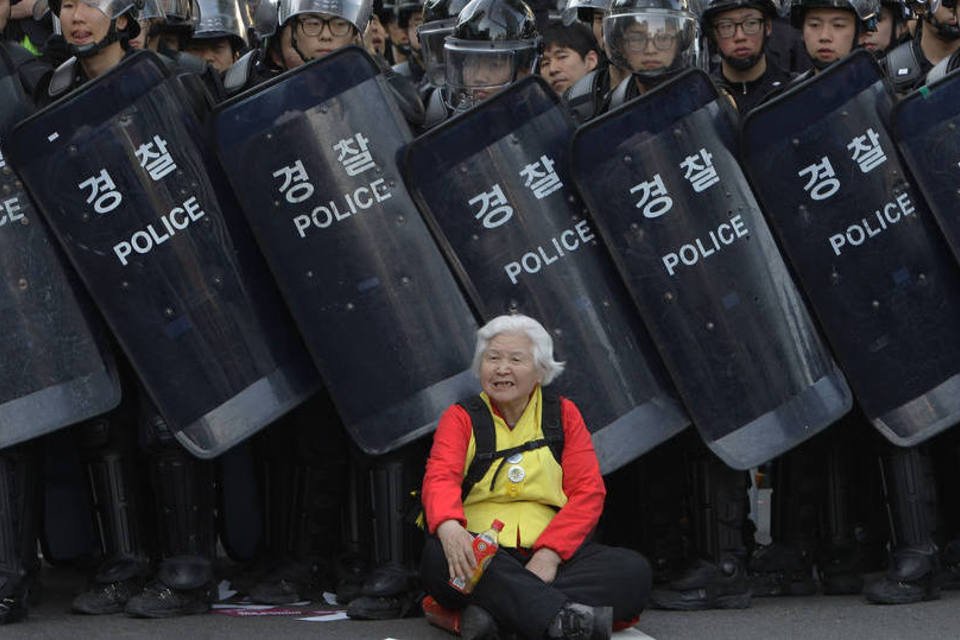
column 596, row 575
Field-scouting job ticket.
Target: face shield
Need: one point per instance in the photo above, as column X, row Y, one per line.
column 652, row 43
column 220, row 19
column 432, row 35
column 475, row 70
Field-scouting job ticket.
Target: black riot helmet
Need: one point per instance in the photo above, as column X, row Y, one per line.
column 866, row 11
column 582, row 10
column 439, row 19
column 653, row 39
column 113, row 9
column 494, row 43
column 221, row 19
column 713, row 8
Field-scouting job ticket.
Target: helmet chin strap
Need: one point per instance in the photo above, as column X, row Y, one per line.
column 87, row 50
column 743, row 64
column 296, row 47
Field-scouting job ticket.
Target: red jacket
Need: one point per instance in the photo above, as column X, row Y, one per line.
column 582, row 482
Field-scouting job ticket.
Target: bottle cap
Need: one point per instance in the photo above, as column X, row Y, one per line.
column 497, row 525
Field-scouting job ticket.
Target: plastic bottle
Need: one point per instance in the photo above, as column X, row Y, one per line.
column 438, row 616
column 485, row 546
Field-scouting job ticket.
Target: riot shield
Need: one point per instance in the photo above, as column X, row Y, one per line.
column 864, row 247
column 494, row 185
column 312, row 158
column 55, row 368
column 118, row 173
column 687, row 235
column 925, row 128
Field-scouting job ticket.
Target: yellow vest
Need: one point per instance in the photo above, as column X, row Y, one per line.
column 527, row 493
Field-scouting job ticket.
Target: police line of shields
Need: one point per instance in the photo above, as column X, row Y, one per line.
column 925, row 126
column 55, row 367
column 121, row 176
column 494, row 185
column 671, row 202
column 864, row 246
column 312, row 158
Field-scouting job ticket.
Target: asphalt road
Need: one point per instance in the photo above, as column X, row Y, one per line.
column 815, row 617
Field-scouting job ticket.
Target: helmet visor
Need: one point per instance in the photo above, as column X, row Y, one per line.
column 356, row 12
column 651, row 42
column 219, row 18
column 477, row 70
column 432, row 35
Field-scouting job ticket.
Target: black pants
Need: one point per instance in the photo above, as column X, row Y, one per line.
column 596, row 575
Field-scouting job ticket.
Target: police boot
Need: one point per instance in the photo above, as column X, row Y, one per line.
column 914, row 565
column 392, row 589
column 20, row 503
column 581, row 622
column 843, row 558
column 185, row 496
column 116, row 504
column 785, row 567
column 719, row 512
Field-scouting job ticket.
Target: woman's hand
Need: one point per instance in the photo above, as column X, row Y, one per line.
column 543, row 564
column 458, row 548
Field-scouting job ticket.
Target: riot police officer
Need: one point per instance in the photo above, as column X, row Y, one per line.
column 409, row 18
column 439, row 18
column 831, row 29
column 586, row 97
column 654, row 40
column 936, row 38
column 219, row 35
column 494, row 44
column 98, row 35
column 891, row 26
column 740, row 30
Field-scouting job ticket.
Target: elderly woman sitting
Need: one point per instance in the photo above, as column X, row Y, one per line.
column 522, row 455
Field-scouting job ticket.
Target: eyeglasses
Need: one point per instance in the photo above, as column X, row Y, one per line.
column 637, row 42
column 314, row 26
column 728, row 28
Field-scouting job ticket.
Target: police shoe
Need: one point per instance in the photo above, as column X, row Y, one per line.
column 706, row 585
column 184, row 586
column 913, row 576
column 115, row 583
column 581, row 622
column 781, row 570
column 13, row 599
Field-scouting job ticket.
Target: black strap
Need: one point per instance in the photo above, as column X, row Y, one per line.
column 485, row 438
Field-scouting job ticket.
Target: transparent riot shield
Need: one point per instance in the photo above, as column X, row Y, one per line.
column 863, row 244
column 925, row 128
column 118, row 169
column 55, row 367
column 312, row 158
column 668, row 197
column 495, row 186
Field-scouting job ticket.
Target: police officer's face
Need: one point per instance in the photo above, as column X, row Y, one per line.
column 487, row 74
column 562, row 66
column 84, row 24
column 317, row 35
column 741, row 45
column 397, row 35
column 828, row 33
column 508, row 372
column 650, row 48
column 415, row 21
column 218, row 52
column 597, row 25
column 879, row 39
column 375, row 37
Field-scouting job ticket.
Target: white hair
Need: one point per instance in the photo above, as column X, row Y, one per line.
column 542, row 343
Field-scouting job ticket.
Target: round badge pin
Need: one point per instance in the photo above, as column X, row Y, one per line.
column 516, row 474
column 515, row 458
